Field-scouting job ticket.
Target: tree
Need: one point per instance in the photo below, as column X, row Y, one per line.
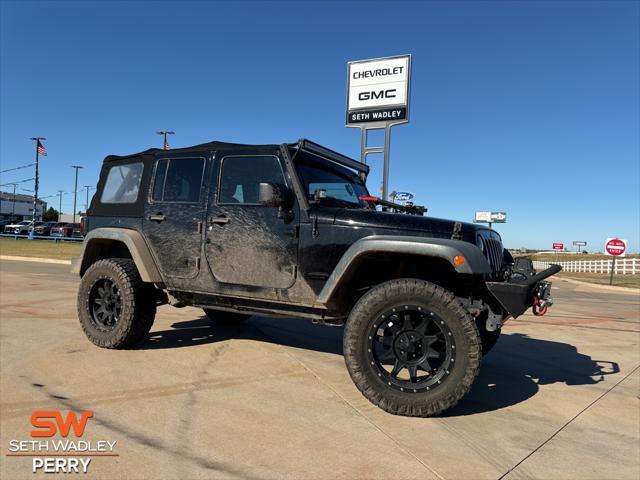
column 50, row 215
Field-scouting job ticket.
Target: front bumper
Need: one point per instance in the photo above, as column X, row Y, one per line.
column 517, row 297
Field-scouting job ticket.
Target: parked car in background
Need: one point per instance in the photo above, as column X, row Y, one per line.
column 11, row 227
column 63, row 229
column 26, row 228
column 45, row 228
column 78, row 231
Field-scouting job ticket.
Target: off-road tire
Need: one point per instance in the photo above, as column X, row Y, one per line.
column 225, row 317
column 138, row 303
column 396, row 293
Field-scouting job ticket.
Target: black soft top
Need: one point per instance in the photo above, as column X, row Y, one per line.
column 214, row 145
column 301, row 145
column 97, row 208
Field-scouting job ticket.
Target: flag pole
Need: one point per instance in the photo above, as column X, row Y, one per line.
column 164, row 133
column 36, row 179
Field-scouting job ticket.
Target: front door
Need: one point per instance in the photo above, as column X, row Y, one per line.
column 174, row 215
column 248, row 243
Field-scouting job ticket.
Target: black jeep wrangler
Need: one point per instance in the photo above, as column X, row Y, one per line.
column 290, row 230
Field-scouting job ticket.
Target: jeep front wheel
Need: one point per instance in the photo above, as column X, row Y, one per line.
column 411, row 348
column 115, row 307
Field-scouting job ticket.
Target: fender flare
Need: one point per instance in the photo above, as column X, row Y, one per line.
column 133, row 240
column 475, row 261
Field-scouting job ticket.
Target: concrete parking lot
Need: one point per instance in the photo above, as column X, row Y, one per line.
column 557, row 398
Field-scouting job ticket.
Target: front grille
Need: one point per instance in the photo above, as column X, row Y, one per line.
column 494, row 252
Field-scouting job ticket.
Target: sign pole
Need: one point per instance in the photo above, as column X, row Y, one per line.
column 385, row 173
column 613, row 267
column 378, row 91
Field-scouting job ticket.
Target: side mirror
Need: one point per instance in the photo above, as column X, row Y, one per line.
column 273, row 194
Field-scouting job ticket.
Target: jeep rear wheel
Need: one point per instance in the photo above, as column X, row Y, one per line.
column 115, row 307
column 224, row 316
column 411, row 348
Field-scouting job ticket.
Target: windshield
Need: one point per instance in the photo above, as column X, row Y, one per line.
column 342, row 187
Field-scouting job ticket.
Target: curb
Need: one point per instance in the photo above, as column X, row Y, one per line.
column 598, row 286
column 35, row 259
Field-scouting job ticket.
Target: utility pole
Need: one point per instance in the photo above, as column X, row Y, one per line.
column 165, row 145
column 75, row 191
column 86, row 204
column 36, row 181
column 60, row 192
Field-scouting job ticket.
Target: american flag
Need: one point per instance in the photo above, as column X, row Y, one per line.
column 41, row 149
column 166, row 144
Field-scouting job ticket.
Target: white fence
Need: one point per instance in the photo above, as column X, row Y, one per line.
column 624, row 266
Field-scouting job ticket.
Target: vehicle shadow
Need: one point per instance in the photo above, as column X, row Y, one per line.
column 514, row 370
column 294, row 333
column 510, row 374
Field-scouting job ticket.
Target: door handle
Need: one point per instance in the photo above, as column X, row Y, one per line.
column 158, row 217
column 221, row 220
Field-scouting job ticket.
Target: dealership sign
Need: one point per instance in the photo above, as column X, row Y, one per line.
column 378, row 90
column 491, row 217
column 558, row 246
column 615, row 246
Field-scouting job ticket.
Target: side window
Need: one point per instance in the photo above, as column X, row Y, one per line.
column 178, row 180
column 241, row 177
column 123, row 184
column 158, row 182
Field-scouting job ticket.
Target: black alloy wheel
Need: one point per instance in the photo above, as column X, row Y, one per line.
column 105, row 301
column 412, row 348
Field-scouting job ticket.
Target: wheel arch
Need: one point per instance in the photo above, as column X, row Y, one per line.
column 382, row 258
column 109, row 242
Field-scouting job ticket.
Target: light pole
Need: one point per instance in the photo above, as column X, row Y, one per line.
column 39, row 149
column 75, row 191
column 86, row 204
column 60, row 192
column 165, row 145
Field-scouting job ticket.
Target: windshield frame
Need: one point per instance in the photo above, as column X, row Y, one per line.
column 349, row 176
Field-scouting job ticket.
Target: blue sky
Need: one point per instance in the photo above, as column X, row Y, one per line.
column 531, row 108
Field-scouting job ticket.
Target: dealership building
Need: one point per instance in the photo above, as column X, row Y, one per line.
column 21, row 206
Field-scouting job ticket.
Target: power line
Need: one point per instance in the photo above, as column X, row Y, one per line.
column 17, row 168
column 19, row 181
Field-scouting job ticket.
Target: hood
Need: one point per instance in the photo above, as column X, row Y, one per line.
column 437, row 227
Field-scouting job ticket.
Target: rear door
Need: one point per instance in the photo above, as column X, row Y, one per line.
column 247, row 243
column 174, row 214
